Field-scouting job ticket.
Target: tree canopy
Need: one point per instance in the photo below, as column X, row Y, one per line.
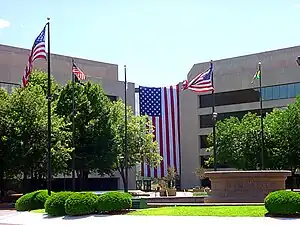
column 93, row 135
column 141, row 146
column 239, row 140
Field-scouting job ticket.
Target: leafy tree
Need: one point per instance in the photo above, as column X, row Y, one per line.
column 93, row 135
column 141, row 147
column 238, row 142
column 284, row 137
column 4, row 128
column 28, row 134
column 40, row 78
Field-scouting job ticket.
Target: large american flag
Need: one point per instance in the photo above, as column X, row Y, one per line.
column 77, row 72
column 38, row 51
column 162, row 106
column 202, row 82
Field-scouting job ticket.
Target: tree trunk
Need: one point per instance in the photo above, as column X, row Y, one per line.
column 1, row 180
column 85, row 176
column 25, row 190
column 121, row 171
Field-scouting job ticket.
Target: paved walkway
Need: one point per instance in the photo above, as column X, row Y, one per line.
column 27, row 218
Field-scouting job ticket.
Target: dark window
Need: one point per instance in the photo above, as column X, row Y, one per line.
column 250, row 95
column 206, row 120
column 112, row 98
column 230, row 98
column 203, row 141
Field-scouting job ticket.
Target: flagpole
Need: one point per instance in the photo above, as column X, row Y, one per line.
column 73, row 130
column 49, row 113
column 261, row 117
column 214, row 118
column 125, row 139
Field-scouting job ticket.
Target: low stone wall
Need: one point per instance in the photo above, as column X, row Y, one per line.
column 244, row 186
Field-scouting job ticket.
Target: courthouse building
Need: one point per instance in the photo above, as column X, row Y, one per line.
column 13, row 61
column 235, row 96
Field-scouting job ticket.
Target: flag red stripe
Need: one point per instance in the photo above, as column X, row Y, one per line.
column 162, row 167
column 166, row 133
column 173, row 126
column 178, row 122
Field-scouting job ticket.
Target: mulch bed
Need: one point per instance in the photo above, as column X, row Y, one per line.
column 124, row 212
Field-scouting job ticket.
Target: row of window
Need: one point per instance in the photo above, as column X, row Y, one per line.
column 250, row 95
column 281, row 91
column 206, row 120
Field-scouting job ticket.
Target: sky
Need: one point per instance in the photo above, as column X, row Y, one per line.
column 158, row 40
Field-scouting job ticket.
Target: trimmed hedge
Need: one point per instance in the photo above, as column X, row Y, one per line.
column 55, row 204
column 31, row 201
column 114, row 202
column 283, row 202
column 81, row 204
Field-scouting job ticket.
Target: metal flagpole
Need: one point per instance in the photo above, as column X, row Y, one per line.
column 125, row 139
column 214, row 118
column 261, row 117
column 49, row 113
column 73, row 129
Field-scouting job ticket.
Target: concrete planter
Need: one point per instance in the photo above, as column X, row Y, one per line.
column 244, row 186
column 167, row 192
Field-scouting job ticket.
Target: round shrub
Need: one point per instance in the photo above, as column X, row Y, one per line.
column 114, row 202
column 81, row 204
column 55, row 204
column 283, row 202
column 31, row 201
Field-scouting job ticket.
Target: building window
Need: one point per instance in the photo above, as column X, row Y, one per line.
column 112, row 98
column 229, row 98
column 206, row 120
column 203, row 141
column 250, row 95
column 291, row 91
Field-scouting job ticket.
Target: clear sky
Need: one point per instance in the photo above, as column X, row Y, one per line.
column 158, row 40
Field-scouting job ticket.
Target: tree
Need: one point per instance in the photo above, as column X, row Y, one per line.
column 284, row 138
column 238, row 142
column 93, row 135
column 28, row 134
column 141, row 146
column 40, row 78
column 4, row 128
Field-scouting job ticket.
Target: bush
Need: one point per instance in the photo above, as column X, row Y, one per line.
column 31, row 201
column 283, row 202
column 114, row 202
column 81, row 204
column 55, row 204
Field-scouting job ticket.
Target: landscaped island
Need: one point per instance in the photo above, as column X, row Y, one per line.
column 279, row 203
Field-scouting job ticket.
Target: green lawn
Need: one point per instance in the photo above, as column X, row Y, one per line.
column 199, row 194
column 38, row 211
column 233, row 211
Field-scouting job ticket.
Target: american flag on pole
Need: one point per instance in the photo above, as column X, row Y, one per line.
column 200, row 83
column 79, row 75
column 162, row 106
column 38, row 51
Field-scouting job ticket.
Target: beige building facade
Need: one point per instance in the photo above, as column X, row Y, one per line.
column 13, row 61
column 235, row 96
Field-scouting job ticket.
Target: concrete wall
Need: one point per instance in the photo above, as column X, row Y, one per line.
column 278, row 67
column 13, row 61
